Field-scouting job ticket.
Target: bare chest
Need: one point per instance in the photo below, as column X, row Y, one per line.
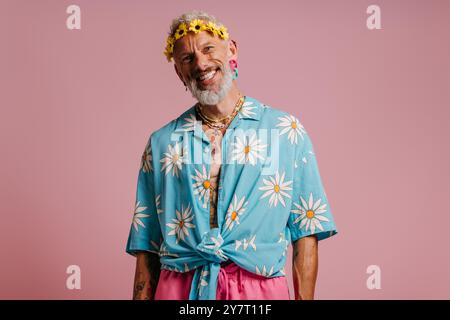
column 215, row 137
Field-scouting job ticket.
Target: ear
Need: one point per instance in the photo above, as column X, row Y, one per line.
column 179, row 73
column 232, row 50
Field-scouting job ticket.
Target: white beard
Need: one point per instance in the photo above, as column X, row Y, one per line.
column 210, row 97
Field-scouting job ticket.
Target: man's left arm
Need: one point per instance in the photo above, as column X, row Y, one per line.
column 304, row 267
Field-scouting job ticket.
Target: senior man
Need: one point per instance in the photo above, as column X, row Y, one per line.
column 226, row 187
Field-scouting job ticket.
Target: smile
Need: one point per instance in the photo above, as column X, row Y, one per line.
column 207, row 78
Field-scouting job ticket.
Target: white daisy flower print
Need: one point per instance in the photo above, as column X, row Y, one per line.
column 156, row 245
column 173, row 159
column 236, row 209
column 216, row 243
column 276, row 188
column 202, row 185
column 292, row 126
column 215, row 246
column 248, row 150
column 163, row 252
column 245, row 243
column 181, row 225
column 246, row 110
column 264, row 272
column 146, row 161
column 202, row 282
column 138, row 215
column 285, row 242
column 310, row 214
column 191, row 123
column 158, row 204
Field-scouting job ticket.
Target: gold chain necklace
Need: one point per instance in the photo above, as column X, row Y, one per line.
column 218, row 123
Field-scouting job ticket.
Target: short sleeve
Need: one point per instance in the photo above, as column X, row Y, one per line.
column 310, row 212
column 145, row 231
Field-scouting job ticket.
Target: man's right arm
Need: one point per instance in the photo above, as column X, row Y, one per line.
column 148, row 268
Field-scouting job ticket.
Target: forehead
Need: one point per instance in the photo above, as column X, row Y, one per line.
column 191, row 40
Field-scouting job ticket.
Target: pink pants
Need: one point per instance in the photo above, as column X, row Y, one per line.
column 234, row 283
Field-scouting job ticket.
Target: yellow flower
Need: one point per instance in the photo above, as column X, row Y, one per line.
column 211, row 27
column 170, row 40
column 223, row 33
column 196, row 26
column 181, row 31
column 169, row 48
column 168, row 55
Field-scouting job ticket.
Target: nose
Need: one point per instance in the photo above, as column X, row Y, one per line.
column 201, row 62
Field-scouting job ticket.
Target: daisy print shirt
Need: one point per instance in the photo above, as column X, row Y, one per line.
column 270, row 194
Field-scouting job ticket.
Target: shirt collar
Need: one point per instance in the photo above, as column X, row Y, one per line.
column 251, row 110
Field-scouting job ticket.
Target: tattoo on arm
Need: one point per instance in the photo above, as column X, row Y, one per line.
column 138, row 288
column 148, row 269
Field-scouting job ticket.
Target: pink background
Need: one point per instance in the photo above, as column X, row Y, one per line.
column 77, row 108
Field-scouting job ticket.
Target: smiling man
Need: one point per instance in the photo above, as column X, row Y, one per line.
column 225, row 188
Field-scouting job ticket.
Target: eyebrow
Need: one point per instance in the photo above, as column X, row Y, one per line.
column 187, row 53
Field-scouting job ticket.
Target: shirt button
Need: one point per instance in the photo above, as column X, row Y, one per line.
column 206, row 150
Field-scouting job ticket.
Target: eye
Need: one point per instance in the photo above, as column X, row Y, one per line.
column 187, row 59
column 208, row 48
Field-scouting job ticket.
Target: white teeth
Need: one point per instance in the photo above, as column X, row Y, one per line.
column 207, row 76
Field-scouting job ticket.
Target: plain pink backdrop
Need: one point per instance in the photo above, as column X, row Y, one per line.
column 78, row 106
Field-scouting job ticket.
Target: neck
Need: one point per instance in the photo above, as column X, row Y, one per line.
column 224, row 107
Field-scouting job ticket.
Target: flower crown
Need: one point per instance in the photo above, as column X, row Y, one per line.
column 195, row 26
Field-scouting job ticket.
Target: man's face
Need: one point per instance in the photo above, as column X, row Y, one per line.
column 202, row 63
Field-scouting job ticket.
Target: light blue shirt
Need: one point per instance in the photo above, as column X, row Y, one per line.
column 270, row 194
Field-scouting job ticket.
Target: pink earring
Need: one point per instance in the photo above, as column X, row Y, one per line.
column 234, row 69
column 233, row 64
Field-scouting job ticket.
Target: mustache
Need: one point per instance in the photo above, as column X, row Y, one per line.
column 197, row 73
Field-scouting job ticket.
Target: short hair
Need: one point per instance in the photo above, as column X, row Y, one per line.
column 192, row 15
